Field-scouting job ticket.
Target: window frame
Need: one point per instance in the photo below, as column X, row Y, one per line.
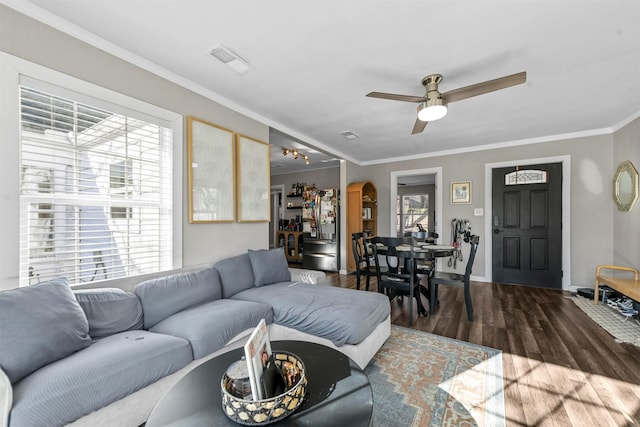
column 15, row 72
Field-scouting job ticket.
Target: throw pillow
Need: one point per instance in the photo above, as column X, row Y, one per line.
column 269, row 266
column 166, row 295
column 110, row 310
column 236, row 274
column 39, row 324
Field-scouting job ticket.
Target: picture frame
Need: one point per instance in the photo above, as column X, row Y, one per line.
column 461, row 192
column 253, row 179
column 211, row 172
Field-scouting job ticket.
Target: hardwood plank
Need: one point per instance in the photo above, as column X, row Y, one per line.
column 560, row 367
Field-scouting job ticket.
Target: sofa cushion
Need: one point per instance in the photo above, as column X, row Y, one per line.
column 236, row 274
column 344, row 316
column 269, row 266
column 209, row 327
column 106, row 371
column 39, row 324
column 109, row 310
column 163, row 296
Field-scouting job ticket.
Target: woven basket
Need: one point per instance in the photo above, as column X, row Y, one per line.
column 267, row 411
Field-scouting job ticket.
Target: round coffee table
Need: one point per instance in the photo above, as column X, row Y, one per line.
column 338, row 392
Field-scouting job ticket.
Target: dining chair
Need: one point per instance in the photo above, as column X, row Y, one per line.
column 363, row 258
column 455, row 279
column 400, row 278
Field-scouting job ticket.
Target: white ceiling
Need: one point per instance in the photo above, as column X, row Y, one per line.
column 314, row 61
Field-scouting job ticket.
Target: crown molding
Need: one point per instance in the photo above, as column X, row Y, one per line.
column 497, row 145
column 625, row 122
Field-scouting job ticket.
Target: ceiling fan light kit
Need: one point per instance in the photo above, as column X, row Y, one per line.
column 433, row 105
column 431, row 110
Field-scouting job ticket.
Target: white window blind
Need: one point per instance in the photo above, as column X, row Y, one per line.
column 95, row 195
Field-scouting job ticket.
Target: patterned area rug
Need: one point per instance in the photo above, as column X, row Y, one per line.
column 421, row 379
column 610, row 320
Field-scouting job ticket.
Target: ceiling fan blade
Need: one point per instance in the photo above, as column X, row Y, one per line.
column 396, row 97
column 485, row 87
column 418, row 126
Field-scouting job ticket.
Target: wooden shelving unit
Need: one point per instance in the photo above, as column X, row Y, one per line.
column 292, row 243
column 362, row 213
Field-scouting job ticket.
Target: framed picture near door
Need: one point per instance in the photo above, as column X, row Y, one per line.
column 461, row 192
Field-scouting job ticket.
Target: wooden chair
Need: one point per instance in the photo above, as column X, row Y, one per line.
column 455, row 279
column 363, row 259
column 399, row 279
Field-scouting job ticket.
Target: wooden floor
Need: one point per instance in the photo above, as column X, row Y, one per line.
column 560, row 367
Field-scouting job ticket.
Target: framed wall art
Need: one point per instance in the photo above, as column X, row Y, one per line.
column 211, row 172
column 253, row 179
column 461, row 192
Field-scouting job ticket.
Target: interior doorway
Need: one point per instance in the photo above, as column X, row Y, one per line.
column 402, row 181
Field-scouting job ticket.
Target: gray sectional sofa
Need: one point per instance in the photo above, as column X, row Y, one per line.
column 105, row 356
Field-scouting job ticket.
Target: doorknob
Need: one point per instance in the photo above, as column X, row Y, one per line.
column 496, row 231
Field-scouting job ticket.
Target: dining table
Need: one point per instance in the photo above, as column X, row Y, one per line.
column 421, row 251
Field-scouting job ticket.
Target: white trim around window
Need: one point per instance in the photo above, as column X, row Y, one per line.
column 14, row 72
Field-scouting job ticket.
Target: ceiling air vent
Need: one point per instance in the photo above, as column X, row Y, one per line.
column 348, row 134
column 231, row 59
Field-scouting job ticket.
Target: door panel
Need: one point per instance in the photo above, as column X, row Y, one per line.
column 539, row 254
column 512, row 252
column 539, row 209
column 527, row 225
column 511, row 210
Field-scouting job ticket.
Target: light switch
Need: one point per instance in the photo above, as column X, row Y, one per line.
column 478, row 211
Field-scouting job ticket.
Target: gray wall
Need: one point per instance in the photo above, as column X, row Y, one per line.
column 322, row 178
column 626, row 225
column 591, row 219
column 31, row 40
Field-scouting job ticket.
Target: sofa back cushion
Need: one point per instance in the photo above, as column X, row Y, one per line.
column 269, row 266
column 236, row 274
column 110, row 310
column 163, row 296
column 39, row 324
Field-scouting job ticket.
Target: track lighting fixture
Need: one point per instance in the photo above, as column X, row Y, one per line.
column 295, row 153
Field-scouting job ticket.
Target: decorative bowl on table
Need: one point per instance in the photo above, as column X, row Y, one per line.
column 267, row 411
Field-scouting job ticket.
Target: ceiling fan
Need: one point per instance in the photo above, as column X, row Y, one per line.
column 433, row 105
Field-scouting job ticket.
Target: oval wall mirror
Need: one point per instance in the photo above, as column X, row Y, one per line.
column 625, row 186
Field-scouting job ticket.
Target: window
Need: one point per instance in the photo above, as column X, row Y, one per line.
column 412, row 209
column 528, row 176
column 95, row 194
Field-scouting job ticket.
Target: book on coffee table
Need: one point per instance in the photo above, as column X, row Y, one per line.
column 262, row 369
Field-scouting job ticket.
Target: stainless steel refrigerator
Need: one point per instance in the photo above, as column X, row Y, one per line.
column 321, row 250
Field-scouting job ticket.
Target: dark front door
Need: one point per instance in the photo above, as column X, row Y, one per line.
column 527, row 225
